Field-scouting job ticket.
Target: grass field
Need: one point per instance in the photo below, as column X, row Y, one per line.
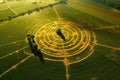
column 17, row 63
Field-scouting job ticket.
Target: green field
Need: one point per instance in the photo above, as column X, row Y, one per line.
column 16, row 62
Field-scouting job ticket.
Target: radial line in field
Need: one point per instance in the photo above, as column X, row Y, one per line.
column 56, row 12
column 9, row 54
column 115, row 48
column 10, row 8
column 14, row 42
column 15, row 66
column 109, row 27
column 66, row 63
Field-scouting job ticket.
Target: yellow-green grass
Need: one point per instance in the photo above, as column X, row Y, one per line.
column 95, row 67
column 3, row 6
column 22, row 24
column 18, row 7
column 108, row 38
column 80, row 17
column 17, row 31
column 102, row 6
column 96, row 11
column 1, row 1
column 22, row 6
column 96, row 4
column 5, row 13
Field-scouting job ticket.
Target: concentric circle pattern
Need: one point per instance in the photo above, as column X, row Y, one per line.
column 79, row 42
